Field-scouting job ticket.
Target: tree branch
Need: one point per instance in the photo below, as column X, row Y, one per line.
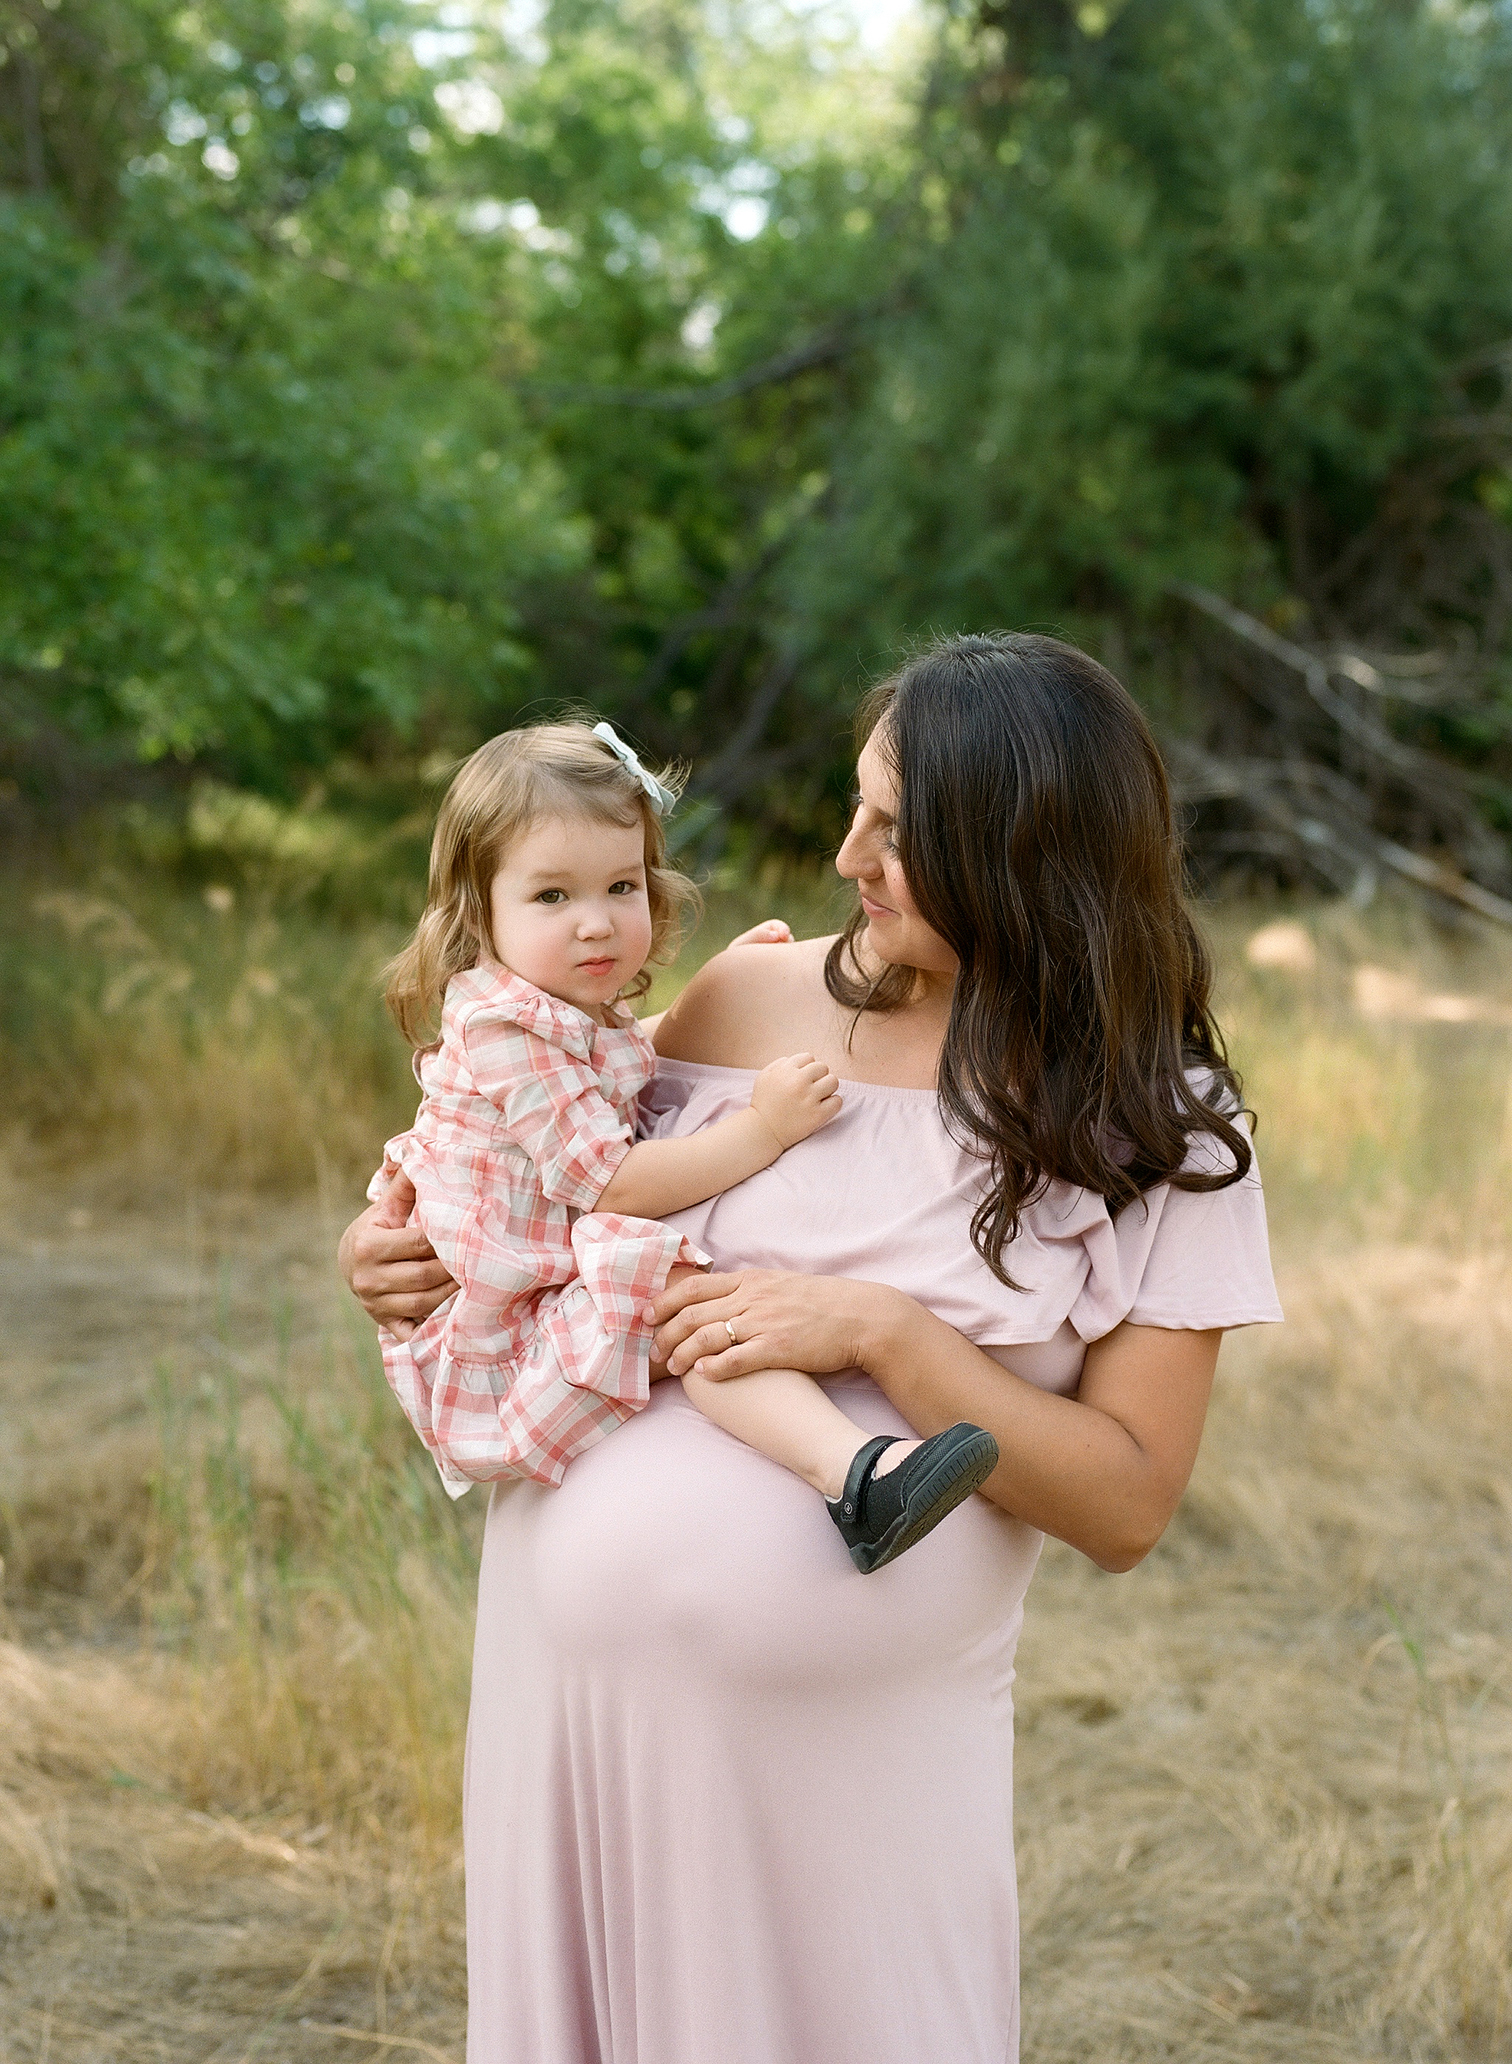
column 724, row 777
column 716, row 615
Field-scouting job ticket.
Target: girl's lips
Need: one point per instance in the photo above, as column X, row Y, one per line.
column 596, row 967
column 875, row 909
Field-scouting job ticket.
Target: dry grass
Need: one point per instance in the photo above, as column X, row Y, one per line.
column 231, row 1709
column 229, row 1031
column 1265, row 1782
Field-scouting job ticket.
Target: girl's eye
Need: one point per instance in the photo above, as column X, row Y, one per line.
column 551, row 896
column 623, row 888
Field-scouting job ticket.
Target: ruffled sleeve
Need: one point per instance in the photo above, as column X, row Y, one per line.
column 1190, row 1260
column 536, row 1064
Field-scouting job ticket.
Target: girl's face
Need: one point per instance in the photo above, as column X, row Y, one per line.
column 895, row 932
column 570, row 911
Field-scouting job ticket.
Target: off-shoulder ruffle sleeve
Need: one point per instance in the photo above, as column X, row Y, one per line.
column 1187, row 1259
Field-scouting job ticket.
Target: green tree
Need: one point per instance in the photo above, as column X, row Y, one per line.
column 262, row 498
column 367, row 379
column 1193, row 286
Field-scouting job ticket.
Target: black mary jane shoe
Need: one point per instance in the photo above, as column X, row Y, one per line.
column 880, row 1516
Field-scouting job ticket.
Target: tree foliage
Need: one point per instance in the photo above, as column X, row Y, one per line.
column 369, row 376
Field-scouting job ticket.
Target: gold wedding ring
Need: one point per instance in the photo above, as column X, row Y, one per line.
column 731, row 1331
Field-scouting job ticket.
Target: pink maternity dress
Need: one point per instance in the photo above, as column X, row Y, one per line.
column 728, row 1801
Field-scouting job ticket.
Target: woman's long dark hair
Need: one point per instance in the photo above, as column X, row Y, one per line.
column 1036, row 836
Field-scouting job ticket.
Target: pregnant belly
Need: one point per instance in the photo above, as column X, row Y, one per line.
column 672, row 1554
column 727, row 1798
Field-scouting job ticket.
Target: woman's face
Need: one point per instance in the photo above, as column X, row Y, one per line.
column 895, row 932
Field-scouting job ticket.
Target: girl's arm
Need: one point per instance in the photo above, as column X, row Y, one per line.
column 391, row 1268
column 1104, row 1470
column 790, row 1099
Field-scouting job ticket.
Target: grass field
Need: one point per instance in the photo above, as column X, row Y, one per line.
column 1265, row 1781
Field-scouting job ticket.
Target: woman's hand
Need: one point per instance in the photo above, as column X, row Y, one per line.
column 820, row 1324
column 389, row 1265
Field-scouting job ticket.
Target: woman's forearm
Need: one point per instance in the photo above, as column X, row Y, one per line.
column 1104, row 1479
column 1104, row 1470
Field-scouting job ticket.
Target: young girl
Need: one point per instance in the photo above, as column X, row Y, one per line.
column 549, row 901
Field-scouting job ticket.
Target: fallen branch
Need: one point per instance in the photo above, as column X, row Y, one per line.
column 1429, row 874
column 1268, row 789
column 1416, row 768
column 1432, row 800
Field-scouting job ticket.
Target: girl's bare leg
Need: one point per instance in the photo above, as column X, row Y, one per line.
column 789, row 1417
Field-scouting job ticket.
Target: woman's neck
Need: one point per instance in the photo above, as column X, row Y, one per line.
column 932, row 992
column 902, row 1045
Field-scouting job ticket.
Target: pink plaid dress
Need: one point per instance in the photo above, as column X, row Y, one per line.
column 529, row 1108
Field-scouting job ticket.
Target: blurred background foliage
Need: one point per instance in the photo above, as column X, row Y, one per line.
column 372, row 375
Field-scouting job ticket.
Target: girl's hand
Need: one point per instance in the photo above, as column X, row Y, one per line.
column 821, row 1324
column 389, row 1265
column 795, row 1096
column 772, row 931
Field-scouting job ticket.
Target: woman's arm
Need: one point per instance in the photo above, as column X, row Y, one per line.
column 1104, row 1470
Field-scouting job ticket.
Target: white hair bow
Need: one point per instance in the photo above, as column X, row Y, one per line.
column 661, row 799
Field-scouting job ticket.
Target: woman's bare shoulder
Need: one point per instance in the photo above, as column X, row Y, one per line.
column 749, row 1005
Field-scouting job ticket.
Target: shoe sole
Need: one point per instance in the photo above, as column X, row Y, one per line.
column 948, row 1484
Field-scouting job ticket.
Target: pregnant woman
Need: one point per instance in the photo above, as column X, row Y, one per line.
column 727, row 1800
